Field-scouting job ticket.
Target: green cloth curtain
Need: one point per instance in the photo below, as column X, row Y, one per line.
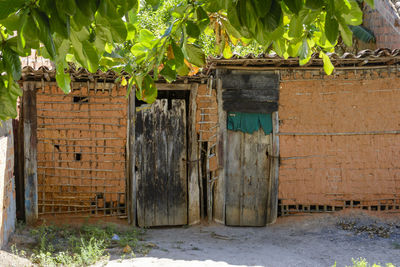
column 249, row 122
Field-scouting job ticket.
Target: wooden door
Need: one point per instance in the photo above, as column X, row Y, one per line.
column 247, row 178
column 161, row 178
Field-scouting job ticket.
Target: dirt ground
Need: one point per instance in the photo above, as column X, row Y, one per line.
column 309, row 240
column 303, row 240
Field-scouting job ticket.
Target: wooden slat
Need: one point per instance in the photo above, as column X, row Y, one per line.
column 236, row 79
column 180, row 215
column 131, row 160
column 251, row 95
column 30, row 155
column 250, row 107
column 140, row 165
column 193, row 162
column 247, row 178
column 220, row 186
column 272, row 204
column 161, row 152
column 160, row 143
column 233, row 178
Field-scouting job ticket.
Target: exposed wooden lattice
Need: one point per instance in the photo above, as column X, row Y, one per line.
column 81, row 151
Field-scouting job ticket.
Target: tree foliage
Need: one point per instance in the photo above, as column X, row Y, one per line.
column 124, row 35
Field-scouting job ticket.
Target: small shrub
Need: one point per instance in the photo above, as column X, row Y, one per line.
column 68, row 246
column 361, row 262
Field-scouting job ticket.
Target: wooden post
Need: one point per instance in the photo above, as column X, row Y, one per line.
column 272, row 204
column 30, row 152
column 220, row 186
column 193, row 161
column 131, row 159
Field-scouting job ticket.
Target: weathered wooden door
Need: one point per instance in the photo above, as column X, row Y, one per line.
column 247, row 178
column 161, row 178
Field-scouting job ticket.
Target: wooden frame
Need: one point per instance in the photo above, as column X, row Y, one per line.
column 272, row 204
column 220, row 193
column 29, row 155
column 192, row 150
column 130, row 159
column 193, row 162
column 220, row 186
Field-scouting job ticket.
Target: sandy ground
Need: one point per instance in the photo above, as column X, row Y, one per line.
column 307, row 240
column 293, row 241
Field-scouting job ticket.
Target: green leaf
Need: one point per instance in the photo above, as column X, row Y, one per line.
column 294, row 47
column 21, row 29
column 60, row 26
column 363, row 34
column 149, row 90
column 192, row 29
column 108, row 9
column 274, row 18
column 9, row 92
column 227, row 51
column 140, row 52
column 262, row 7
column 314, row 4
column 31, row 33
column 66, row 6
column 178, row 55
column 331, row 28
column 12, row 63
column 8, row 7
column 355, row 16
column 118, row 30
column 12, row 22
column 371, row 3
column 131, row 31
column 347, row 34
column 296, row 26
column 167, row 72
column 80, row 20
column 154, row 3
column 87, row 7
column 92, row 56
column 328, row 67
column 147, row 37
column 202, row 18
column 84, row 51
column 305, row 51
column 195, row 55
column 294, row 5
column 63, row 78
column 43, row 25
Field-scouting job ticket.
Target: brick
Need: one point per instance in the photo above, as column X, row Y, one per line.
column 352, row 166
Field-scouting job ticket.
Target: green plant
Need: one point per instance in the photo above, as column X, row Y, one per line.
column 362, row 262
column 68, row 246
column 114, row 34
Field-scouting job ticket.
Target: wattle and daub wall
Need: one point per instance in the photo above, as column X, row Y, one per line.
column 339, row 142
column 81, row 150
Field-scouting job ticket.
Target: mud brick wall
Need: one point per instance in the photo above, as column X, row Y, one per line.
column 207, row 119
column 81, row 150
column 7, row 182
column 341, row 151
column 384, row 22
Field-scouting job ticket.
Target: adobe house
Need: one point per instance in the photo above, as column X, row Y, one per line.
column 255, row 138
column 334, row 136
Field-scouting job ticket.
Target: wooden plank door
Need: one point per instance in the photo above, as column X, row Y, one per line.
column 247, row 178
column 161, row 178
